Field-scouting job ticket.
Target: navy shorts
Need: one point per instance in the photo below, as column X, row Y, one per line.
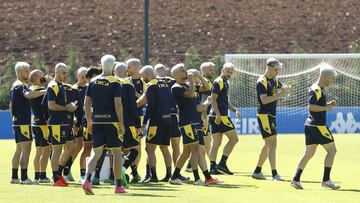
column 201, row 133
column 267, row 125
column 107, row 134
column 60, row 134
column 87, row 137
column 22, row 133
column 318, row 135
column 130, row 137
column 41, row 134
column 189, row 133
column 80, row 132
column 226, row 125
column 159, row 135
column 175, row 130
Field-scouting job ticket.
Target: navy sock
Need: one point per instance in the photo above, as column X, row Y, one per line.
column 327, row 171
column 56, row 176
column 257, row 169
column 14, row 174
column 134, row 171
column 24, row 175
column 60, row 170
column 82, row 172
column 67, row 167
column 207, row 174
column 223, row 160
column 196, row 174
column 298, row 174
column 274, row 173
column 37, row 175
column 153, row 172
column 130, row 158
column 176, row 173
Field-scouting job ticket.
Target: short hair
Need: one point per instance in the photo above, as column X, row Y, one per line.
column 20, row 66
column 92, row 70
column 175, row 69
column 33, row 74
column 159, row 67
column 120, row 68
column 206, row 65
column 147, row 69
column 135, row 62
column 327, row 70
column 60, row 66
column 82, row 70
column 107, row 63
column 228, row 66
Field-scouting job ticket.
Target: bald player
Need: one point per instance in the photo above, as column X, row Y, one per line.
column 131, row 120
column 105, row 122
column 60, row 132
column 21, row 117
column 220, row 122
column 316, row 131
column 133, row 70
column 39, row 126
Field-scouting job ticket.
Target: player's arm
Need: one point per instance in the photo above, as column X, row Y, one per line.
column 88, row 114
column 190, row 93
column 141, row 101
column 205, row 86
column 150, row 95
column 265, row 99
column 31, row 94
column 233, row 109
column 313, row 104
column 119, row 113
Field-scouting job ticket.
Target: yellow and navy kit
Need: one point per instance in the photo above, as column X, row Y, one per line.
column 106, row 130
column 158, row 112
column 81, row 98
column 21, row 112
column 39, row 126
column 131, row 114
column 188, row 116
column 56, row 92
column 73, row 95
column 316, row 131
column 140, row 87
column 269, row 87
column 221, row 88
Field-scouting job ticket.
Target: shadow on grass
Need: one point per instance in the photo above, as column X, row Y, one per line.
column 232, row 186
column 348, row 190
column 139, row 195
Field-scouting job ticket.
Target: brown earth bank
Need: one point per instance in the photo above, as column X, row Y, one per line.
column 96, row 27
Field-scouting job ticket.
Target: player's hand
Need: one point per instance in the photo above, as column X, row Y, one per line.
column 138, row 131
column 191, row 77
column 332, row 103
column 48, row 78
column 76, row 130
column 71, row 107
column 90, row 127
column 283, row 91
column 122, row 128
column 329, row 107
column 217, row 119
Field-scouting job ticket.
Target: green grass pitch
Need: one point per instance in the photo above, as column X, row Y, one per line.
column 237, row 188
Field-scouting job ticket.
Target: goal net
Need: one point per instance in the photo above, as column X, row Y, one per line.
column 300, row 71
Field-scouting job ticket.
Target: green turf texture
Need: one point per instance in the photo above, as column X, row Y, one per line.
column 237, row 188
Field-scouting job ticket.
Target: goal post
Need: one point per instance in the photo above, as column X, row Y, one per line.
column 300, row 71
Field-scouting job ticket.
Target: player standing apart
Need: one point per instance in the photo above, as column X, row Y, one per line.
column 267, row 88
column 316, row 131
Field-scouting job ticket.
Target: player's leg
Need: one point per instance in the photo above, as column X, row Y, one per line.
column 233, row 140
column 215, row 145
column 203, row 165
column 93, row 159
column 175, row 178
column 15, row 162
column 168, row 162
column 36, row 163
column 262, row 158
column 328, row 162
column 194, row 160
column 118, row 161
column 55, row 157
column 134, row 165
column 99, row 164
column 150, row 150
column 175, row 145
column 272, row 143
column 77, row 148
column 207, row 141
column 65, row 155
column 45, row 154
column 24, row 161
column 308, row 154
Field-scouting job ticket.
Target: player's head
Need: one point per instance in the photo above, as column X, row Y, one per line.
column 92, row 72
column 147, row 73
column 120, row 70
column 61, row 72
column 273, row 67
column 160, row 70
column 133, row 66
column 107, row 63
column 327, row 75
column 36, row 76
column 179, row 72
column 207, row 69
column 81, row 75
column 227, row 71
column 22, row 70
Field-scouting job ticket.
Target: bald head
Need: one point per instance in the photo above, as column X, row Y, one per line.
column 207, row 69
column 22, row 70
column 133, row 66
column 147, row 73
column 35, row 76
column 227, row 71
column 107, row 63
column 160, row 70
column 61, row 72
column 120, row 70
